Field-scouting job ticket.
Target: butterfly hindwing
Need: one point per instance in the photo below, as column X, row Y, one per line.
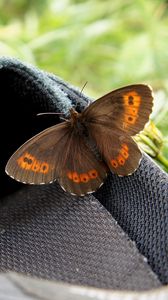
column 82, row 172
column 127, row 109
column 118, row 150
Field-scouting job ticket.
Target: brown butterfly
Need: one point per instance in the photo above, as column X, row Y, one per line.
column 80, row 151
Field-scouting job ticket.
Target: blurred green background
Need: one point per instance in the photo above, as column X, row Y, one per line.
column 107, row 43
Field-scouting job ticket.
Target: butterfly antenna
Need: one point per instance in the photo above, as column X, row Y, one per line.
column 89, row 101
column 51, row 113
column 84, row 86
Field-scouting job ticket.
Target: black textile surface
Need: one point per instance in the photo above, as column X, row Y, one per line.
column 48, row 233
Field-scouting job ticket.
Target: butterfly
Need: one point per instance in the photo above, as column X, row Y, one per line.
column 80, row 152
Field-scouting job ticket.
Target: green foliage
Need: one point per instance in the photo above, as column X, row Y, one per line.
column 107, row 43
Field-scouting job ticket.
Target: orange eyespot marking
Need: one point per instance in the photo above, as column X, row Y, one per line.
column 25, row 161
column 125, row 147
column 121, row 160
column 132, row 111
column 84, row 178
column 29, row 162
column 130, row 119
column 36, row 166
column 22, row 164
column 75, row 177
column 93, row 174
column 28, row 156
column 44, row 168
column 132, row 99
column 124, row 153
column 114, row 163
column 70, row 175
column 131, row 103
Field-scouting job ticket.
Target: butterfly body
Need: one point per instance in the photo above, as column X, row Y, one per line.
column 82, row 150
column 77, row 123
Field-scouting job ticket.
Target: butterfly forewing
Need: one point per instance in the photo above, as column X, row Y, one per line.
column 127, row 108
column 37, row 161
column 58, row 153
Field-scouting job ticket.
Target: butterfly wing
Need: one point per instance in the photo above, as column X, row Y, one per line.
column 83, row 172
column 35, row 162
column 118, row 150
column 58, row 153
column 127, row 109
